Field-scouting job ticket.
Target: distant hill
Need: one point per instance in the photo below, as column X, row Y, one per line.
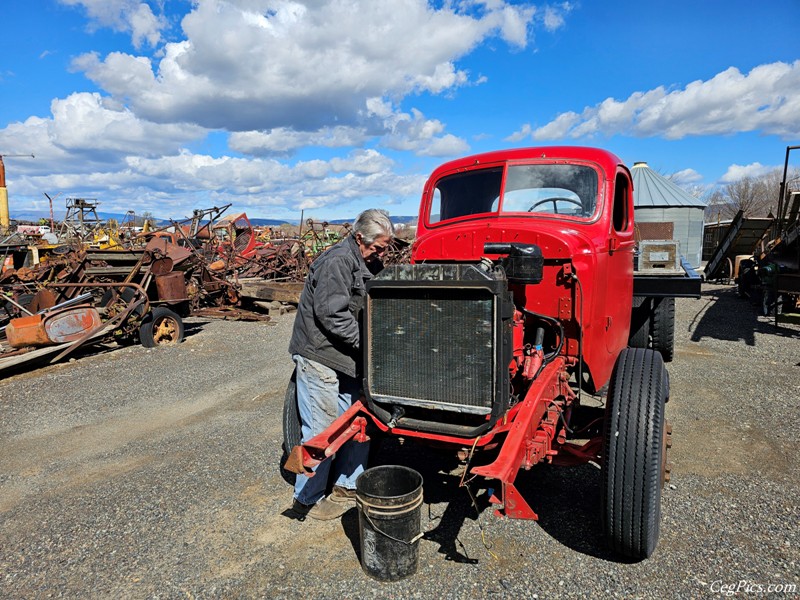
column 33, row 216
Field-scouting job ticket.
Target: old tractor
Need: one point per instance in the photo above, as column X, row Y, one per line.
column 518, row 303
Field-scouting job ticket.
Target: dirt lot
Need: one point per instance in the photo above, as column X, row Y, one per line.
column 154, row 473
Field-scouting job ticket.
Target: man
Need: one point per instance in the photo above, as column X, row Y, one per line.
column 326, row 349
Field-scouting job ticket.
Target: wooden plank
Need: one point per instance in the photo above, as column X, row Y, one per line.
column 280, row 291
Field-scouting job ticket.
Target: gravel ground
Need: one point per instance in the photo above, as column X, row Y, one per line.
column 154, row 474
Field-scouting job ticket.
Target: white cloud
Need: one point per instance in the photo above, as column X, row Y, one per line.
column 138, row 165
column 553, row 18
column 249, row 65
column 413, row 132
column 366, row 162
column 737, row 172
column 88, row 132
column 685, row 177
column 520, row 135
column 85, row 122
column 274, row 76
column 130, row 16
column 767, row 99
column 397, row 130
column 283, row 141
column 557, row 128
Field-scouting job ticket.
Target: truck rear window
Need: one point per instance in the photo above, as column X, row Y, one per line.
column 551, row 189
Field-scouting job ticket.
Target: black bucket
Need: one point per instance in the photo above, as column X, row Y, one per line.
column 389, row 500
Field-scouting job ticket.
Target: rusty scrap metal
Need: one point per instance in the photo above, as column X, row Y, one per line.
column 285, row 261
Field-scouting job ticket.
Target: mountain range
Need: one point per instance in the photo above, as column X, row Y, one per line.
column 33, row 216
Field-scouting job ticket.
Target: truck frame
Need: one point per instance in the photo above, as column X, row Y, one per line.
column 519, row 301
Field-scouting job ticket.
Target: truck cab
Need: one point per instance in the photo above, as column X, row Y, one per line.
column 576, row 205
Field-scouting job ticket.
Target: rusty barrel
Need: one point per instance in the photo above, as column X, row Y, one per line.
column 389, row 501
column 171, row 286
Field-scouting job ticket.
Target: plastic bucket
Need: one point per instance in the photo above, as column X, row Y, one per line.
column 389, row 500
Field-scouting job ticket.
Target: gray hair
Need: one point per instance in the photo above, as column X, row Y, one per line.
column 373, row 223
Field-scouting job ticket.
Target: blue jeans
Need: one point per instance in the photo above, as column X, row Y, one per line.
column 322, row 395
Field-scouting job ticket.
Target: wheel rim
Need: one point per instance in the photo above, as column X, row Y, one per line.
column 165, row 331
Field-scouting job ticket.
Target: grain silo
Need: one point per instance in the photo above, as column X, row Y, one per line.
column 663, row 210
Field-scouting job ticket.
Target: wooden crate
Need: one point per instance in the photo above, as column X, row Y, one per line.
column 660, row 256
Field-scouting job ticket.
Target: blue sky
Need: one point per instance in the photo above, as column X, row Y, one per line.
column 333, row 106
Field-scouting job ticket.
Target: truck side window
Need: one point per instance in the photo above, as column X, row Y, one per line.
column 620, row 216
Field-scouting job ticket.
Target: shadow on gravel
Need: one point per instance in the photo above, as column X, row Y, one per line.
column 730, row 317
column 193, row 327
column 567, row 500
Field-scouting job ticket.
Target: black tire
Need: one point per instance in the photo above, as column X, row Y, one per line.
column 639, row 336
column 161, row 327
column 292, row 433
column 633, row 452
column 662, row 328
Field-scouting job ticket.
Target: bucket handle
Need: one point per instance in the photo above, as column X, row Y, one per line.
column 408, row 507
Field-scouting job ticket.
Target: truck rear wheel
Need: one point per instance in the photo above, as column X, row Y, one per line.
column 639, row 336
column 633, row 451
column 663, row 328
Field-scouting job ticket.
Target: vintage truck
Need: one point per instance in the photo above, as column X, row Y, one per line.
column 518, row 303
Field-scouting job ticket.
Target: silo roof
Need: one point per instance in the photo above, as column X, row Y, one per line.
column 651, row 190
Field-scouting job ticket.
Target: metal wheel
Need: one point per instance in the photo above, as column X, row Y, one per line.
column 161, row 327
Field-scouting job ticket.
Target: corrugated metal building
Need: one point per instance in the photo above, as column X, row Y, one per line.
column 663, row 210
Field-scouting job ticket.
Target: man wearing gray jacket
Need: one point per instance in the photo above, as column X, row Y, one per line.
column 326, row 349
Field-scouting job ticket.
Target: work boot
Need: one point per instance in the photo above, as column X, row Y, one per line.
column 300, row 510
column 342, row 495
column 328, row 509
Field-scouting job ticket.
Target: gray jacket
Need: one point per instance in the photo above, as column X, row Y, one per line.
column 327, row 325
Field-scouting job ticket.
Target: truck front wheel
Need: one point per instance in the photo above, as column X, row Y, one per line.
column 633, row 452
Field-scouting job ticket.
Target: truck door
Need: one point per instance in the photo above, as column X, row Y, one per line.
column 619, row 288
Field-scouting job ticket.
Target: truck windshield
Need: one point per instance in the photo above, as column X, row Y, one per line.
column 553, row 189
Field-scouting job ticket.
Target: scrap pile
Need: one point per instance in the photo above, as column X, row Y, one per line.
column 103, row 284
column 277, row 261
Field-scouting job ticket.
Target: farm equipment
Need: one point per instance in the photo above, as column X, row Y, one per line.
column 762, row 255
column 518, row 302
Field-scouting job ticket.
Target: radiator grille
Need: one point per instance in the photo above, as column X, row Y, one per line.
column 433, row 347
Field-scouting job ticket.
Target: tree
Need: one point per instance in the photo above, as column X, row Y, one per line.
column 754, row 196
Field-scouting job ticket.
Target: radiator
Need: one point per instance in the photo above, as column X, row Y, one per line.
column 438, row 338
